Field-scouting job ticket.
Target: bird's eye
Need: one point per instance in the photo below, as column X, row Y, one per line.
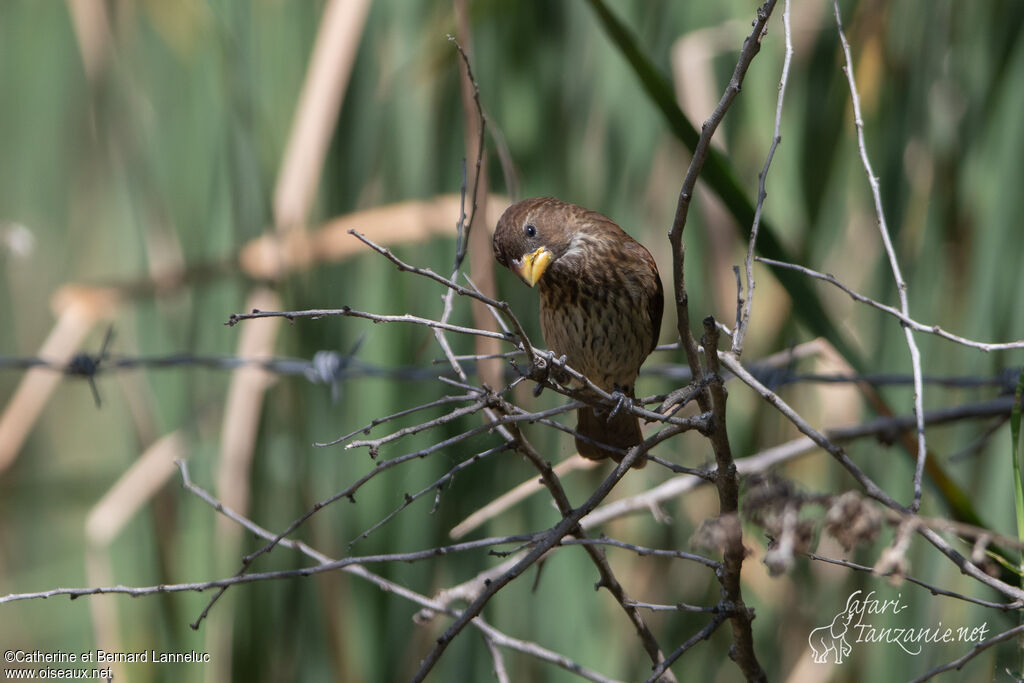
column 530, row 230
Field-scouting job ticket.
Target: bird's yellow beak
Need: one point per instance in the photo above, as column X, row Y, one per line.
column 531, row 266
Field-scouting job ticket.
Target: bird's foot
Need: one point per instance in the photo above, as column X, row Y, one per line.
column 621, row 399
column 544, row 370
column 558, row 370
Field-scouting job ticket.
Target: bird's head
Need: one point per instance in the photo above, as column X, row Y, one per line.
column 532, row 235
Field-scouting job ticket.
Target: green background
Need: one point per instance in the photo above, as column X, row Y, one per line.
column 181, row 138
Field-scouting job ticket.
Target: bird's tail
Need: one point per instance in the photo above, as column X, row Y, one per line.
column 622, row 431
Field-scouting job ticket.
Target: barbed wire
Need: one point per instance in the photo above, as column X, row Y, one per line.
column 331, row 367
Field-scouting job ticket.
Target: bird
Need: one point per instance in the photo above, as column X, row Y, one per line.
column 601, row 304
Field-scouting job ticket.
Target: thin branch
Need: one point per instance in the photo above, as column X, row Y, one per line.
column 500, row 672
column 901, row 285
column 888, row 429
column 870, row 487
column 745, row 303
column 727, row 483
column 958, row 663
column 678, row 607
column 401, row 413
column 456, row 414
column 969, row 568
column 567, row 524
column 201, row 586
column 462, row 241
column 460, row 253
column 643, row 551
column 712, row 396
column 607, row 577
column 541, row 653
column 497, row 318
column 317, row 313
column 437, row 486
column 933, row 589
column 703, row 634
column 503, row 306
column 682, row 469
column 499, row 638
column 905, row 320
column 751, row 46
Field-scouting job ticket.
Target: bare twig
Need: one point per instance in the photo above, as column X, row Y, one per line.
column 401, row 413
column 500, row 672
column 466, row 220
column 712, row 396
column 200, row 586
column 436, row 486
column 933, row 589
column 751, row 46
column 958, row 663
column 608, row 579
column 643, row 551
column 870, row 487
column 317, row 313
column 458, row 413
column 538, row 652
column 519, row 332
column 703, row 634
column 678, row 607
column 745, row 303
column 727, row 483
column 901, row 285
column 595, row 395
column 566, row 526
column 905, row 320
column 496, row 636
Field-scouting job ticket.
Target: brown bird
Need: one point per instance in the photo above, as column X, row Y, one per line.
column 601, row 303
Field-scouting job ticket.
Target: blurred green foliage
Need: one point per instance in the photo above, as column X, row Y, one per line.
column 178, row 142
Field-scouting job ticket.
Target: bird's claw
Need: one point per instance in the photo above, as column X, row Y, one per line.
column 558, row 369
column 621, row 399
column 544, row 369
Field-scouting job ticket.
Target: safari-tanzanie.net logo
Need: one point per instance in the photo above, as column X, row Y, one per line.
column 867, row 619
